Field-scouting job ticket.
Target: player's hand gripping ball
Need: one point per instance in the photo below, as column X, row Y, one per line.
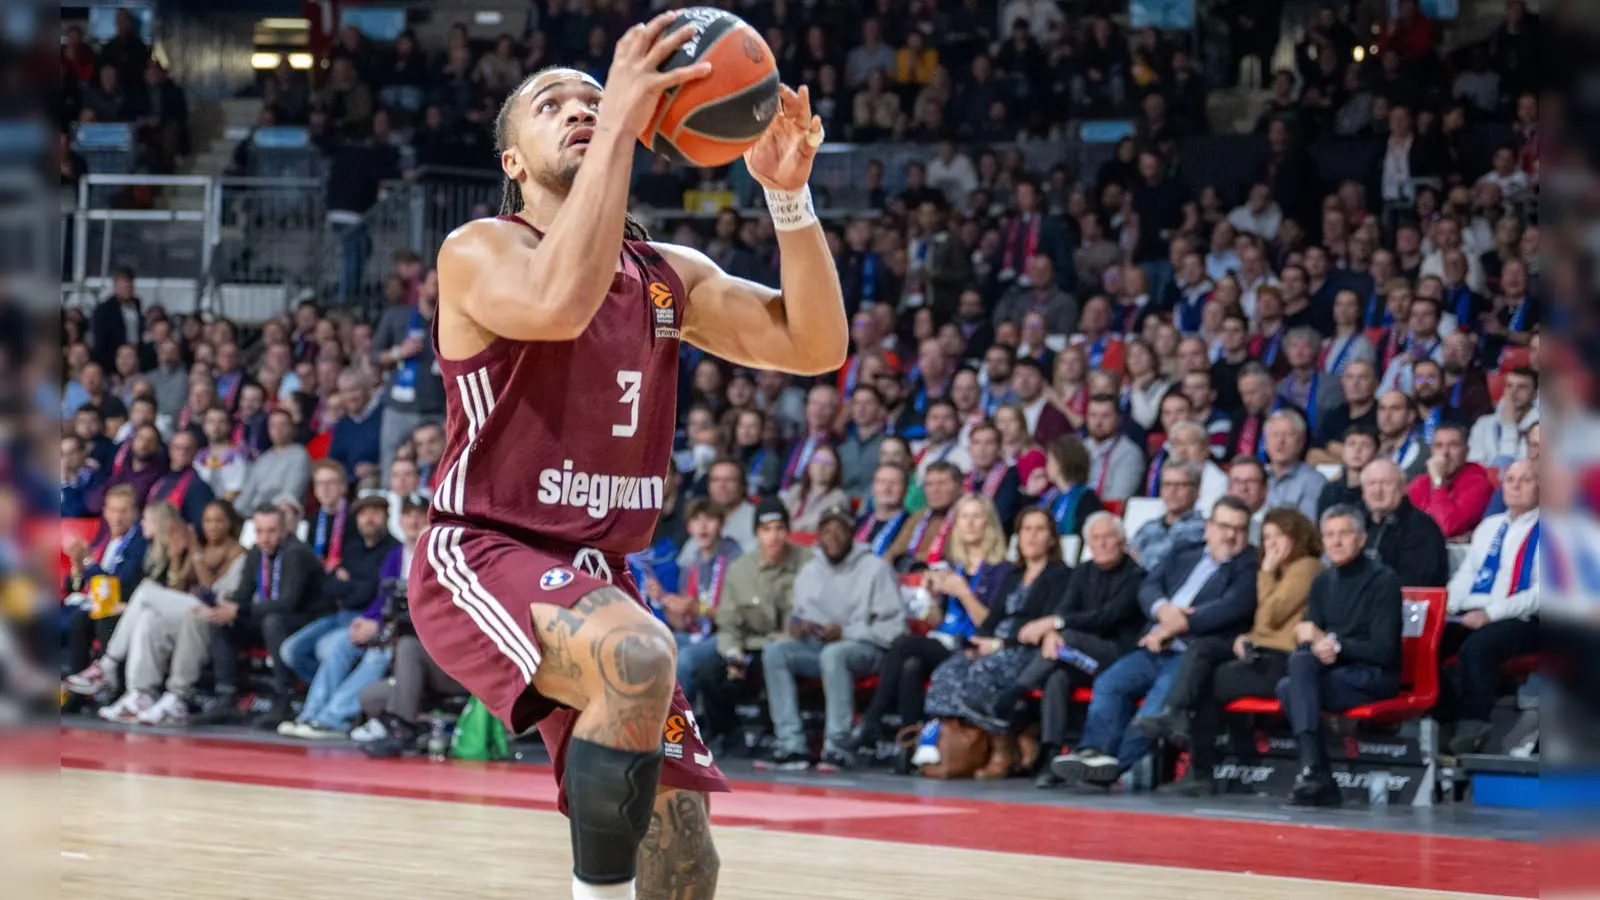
column 711, row 121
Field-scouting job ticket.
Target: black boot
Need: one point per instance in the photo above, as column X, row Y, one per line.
column 1315, row 787
column 224, row 710
column 1168, row 726
column 275, row 715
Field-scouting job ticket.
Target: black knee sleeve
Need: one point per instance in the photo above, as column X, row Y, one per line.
column 610, row 793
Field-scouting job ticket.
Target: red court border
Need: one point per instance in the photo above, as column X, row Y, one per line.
column 1319, row 853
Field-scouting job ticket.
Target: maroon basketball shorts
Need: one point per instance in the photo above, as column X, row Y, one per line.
column 471, row 592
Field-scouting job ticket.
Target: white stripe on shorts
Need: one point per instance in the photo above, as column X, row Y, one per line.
column 474, row 606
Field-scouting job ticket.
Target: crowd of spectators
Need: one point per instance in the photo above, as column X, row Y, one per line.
column 1327, row 375
column 119, row 81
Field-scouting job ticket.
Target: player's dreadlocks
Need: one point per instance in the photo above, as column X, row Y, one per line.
column 511, row 194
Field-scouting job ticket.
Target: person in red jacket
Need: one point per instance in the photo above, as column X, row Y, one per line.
column 1409, row 33
column 1453, row 491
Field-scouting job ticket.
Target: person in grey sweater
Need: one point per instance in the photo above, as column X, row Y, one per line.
column 413, row 386
column 847, row 609
column 169, row 379
column 282, row 468
column 1116, row 468
column 285, row 467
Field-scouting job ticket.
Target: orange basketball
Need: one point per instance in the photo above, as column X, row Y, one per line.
column 711, row 122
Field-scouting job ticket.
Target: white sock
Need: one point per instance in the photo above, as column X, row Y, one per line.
column 584, row 891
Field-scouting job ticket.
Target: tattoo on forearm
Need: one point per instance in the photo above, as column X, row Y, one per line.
column 677, row 859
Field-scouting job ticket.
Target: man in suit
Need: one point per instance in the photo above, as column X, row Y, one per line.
column 117, row 553
column 1195, row 591
column 117, row 320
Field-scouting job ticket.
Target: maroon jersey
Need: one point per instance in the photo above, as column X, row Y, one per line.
column 568, row 442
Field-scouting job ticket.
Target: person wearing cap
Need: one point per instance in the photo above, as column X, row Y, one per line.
column 757, row 595
column 355, row 657
column 847, row 609
column 350, row 587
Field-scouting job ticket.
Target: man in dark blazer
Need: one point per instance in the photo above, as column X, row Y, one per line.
column 110, row 323
column 117, row 552
column 280, row 593
column 1196, row 591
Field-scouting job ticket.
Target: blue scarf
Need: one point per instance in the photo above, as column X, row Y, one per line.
column 1063, row 506
column 1490, row 570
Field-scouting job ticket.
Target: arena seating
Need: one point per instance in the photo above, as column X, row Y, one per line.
column 1419, row 676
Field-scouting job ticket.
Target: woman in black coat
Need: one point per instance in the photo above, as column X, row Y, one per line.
column 980, row 684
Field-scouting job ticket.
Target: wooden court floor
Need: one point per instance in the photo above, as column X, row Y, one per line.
column 174, row 815
column 144, row 837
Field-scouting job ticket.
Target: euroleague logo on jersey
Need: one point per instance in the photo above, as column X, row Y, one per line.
column 661, row 299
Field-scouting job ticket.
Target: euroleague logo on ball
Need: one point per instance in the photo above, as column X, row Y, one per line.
column 752, row 48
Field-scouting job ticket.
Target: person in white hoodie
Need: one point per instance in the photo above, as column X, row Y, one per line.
column 1494, row 607
column 1501, row 437
column 847, row 609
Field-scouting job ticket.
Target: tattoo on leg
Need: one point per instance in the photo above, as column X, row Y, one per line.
column 677, row 859
column 574, row 618
column 559, row 657
column 624, row 657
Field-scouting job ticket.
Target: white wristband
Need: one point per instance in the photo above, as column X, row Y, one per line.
column 791, row 210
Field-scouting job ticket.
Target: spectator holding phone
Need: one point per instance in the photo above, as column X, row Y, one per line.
column 847, row 609
column 1215, row 670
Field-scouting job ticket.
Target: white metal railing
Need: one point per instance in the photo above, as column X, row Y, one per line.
column 204, row 203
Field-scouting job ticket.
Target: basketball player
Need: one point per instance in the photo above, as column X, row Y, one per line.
column 557, row 333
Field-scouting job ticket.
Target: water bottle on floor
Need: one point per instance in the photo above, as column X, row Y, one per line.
column 438, row 743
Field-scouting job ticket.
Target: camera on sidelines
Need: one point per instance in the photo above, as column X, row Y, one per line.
column 396, row 610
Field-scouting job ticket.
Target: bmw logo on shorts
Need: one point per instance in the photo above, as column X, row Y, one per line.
column 555, row 579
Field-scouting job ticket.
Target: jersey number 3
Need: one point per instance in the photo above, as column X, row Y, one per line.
column 630, row 381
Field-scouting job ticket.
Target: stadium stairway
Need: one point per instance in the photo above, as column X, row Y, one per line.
column 233, row 118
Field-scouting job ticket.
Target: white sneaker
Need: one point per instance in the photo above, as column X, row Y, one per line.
column 127, row 708
column 169, row 711
column 88, row 682
column 291, row 728
column 369, row 732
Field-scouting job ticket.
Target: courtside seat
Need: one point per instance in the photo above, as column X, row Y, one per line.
column 1079, row 694
column 83, row 529
column 1419, row 672
column 1521, row 666
column 1115, row 507
column 1513, row 357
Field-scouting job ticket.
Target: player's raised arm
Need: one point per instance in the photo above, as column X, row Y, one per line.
column 801, row 329
column 548, row 289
